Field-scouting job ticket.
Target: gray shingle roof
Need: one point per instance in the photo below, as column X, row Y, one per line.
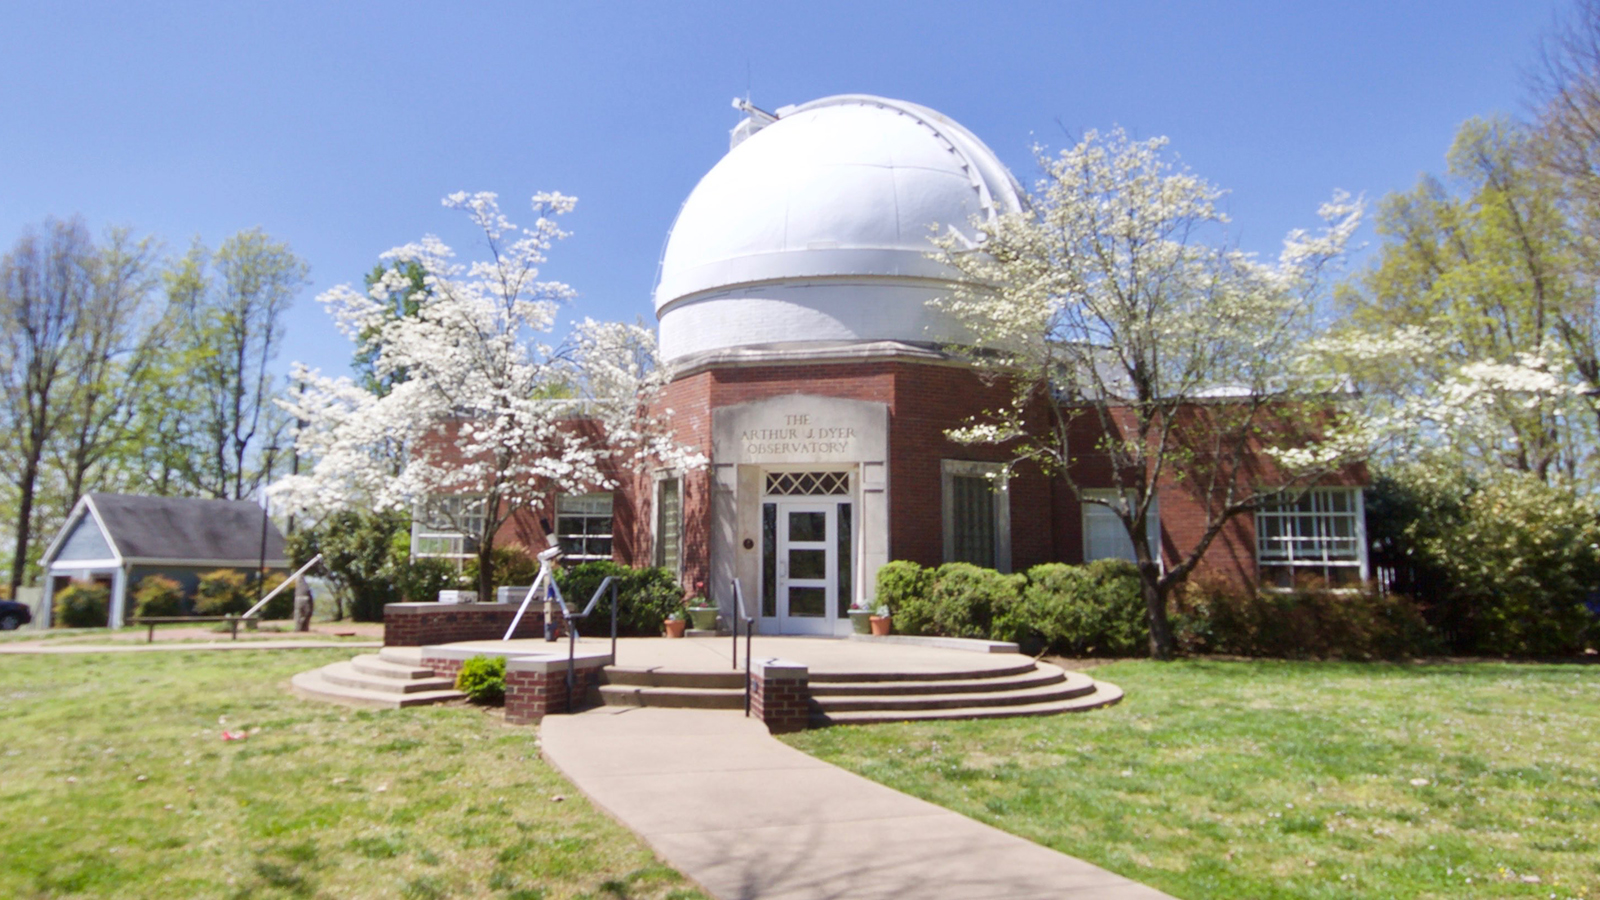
column 186, row 528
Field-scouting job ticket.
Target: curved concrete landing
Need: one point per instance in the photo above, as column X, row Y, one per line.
column 750, row 818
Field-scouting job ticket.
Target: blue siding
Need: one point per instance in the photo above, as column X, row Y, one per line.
column 85, row 542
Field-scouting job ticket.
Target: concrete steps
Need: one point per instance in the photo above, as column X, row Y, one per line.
column 683, row 689
column 1013, row 687
column 1104, row 694
column 383, row 681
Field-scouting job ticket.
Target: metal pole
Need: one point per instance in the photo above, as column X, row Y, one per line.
column 613, row 623
column 572, row 648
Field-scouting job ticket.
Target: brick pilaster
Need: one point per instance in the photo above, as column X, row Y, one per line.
column 780, row 695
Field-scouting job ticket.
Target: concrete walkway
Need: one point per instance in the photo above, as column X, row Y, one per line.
column 25, row 647
column 749, row 817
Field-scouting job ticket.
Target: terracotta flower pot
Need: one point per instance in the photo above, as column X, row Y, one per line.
column 675, row 627
column 880, row 625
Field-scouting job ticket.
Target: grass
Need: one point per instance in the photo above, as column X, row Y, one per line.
column 1277, row 779
column 115, row 782
column 270, row 630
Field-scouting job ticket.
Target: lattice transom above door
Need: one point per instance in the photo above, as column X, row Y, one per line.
column 808, row 484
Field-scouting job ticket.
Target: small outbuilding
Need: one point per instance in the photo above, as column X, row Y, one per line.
column 119, row 539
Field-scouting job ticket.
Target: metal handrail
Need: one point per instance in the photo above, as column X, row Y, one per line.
column 572, row 630
column 739, row 612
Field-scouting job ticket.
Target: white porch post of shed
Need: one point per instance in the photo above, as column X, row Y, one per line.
column 119, row 596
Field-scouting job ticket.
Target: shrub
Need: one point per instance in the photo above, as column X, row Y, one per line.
column 358, row 553
column 1079, row 611
column 158, row 595
column 1311, row 621
column 965, row 599
column 83, row 604
column 223, row 592
column 645, row 597
column 421, row 580
column 512, row 565
column 483, row 679
column 903, row 586
column 1500, row 565
column 279, row 607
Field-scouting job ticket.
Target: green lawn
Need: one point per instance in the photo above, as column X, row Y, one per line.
column 115, row 782
column 1273, row 779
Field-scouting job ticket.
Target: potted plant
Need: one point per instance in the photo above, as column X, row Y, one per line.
column 879, row 620
column 703, row 614
column 860, row 616
column 675, row 624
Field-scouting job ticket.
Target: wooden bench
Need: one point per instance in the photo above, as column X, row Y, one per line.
column 153, row 621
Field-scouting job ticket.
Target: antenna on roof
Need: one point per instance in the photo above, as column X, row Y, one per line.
column 755, row 120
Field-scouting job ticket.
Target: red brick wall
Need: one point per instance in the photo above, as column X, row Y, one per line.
column 530, row 696
column 421, row 624
column 923, row 399
column 783, row 704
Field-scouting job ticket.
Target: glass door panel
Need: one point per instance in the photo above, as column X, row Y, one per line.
column 807, row 567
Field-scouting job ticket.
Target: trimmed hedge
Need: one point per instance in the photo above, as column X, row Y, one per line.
column 158, row 595
column 1099, row 609
column 645, row 597
column 223, row 592
column 1079, row 611
column 1309, row 622
column 82, row 604
column 483, row 679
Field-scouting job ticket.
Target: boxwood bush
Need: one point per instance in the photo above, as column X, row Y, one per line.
column 82, row 604
column 645, row 597
column 223, row 592
column 158, row 595
column 1090, row 610
column 483, row 679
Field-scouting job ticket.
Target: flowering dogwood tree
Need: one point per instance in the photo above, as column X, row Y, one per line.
column 1132, row 333
column 492, row 415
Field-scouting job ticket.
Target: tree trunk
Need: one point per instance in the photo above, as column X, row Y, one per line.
column 19, row 559
column 1162, row 644
column 486, row 572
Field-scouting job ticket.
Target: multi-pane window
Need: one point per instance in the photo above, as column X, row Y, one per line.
column 446, row 527
column 669, row 524
column 977, row 521
column 1320, row 534
column 1104, row 535
column 583, row 526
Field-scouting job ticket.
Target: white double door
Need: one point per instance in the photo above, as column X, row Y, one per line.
column 808, row 566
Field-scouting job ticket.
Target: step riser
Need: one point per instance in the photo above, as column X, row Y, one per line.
column 670, row 701
column 312, row 685
column 388, row 685
column 380, row 669
column 401, row 656
column 643, row 678
column 974, row 701
column 837, row 689
column 1093, row 700
column 968, row 675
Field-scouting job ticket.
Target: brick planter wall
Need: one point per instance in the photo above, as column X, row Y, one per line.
column 780, row 695
column 536, row 688
column 421, row 624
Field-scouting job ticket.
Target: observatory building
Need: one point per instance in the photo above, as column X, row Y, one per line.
column 808, row 365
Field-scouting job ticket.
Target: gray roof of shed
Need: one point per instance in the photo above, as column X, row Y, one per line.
column 186, row 528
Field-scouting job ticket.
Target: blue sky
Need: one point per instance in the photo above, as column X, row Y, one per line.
column 338, row 126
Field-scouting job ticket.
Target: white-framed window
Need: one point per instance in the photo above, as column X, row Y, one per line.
column 1322, row 533
column 583, row 526
column 977, row 514
column 446, row 527
column 1104, row 536
column 669, row 524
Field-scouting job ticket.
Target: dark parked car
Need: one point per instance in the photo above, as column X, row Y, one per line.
column 13, row 615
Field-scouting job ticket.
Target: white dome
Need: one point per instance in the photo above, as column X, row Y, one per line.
column 816, row 228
